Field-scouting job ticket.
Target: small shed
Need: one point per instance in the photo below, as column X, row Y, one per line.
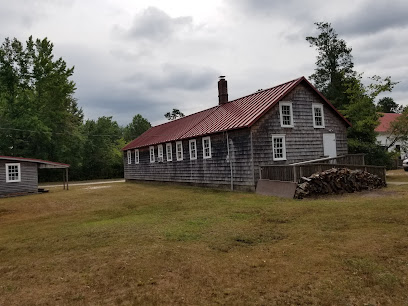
column 19, row 176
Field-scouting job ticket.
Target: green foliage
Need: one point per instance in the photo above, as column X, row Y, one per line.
column 175, row 114
column 137, row 127
column 334, row 65
column 388, row 105
column 40, row 118
column 102, row 156
column 399, row 131
column 335, row 78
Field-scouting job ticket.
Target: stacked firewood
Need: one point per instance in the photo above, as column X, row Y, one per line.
column 335, row 181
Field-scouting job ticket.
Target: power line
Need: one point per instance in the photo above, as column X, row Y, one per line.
column 58, row 133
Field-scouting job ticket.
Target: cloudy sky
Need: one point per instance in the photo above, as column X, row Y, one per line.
column 148, row 57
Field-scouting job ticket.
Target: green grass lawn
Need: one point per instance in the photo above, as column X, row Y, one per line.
column 397, row 176
column 132, row 244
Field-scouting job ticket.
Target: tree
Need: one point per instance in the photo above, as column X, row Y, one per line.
column 102, row 157
column 175, row 114
column 335, row 78
column 40, row 116
column 398, row 131
column 388, row 105
column 334, row 65
column 137, row 127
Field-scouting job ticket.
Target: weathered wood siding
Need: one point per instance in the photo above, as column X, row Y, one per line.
column 215, row 171
column 29, row 179
column 303, row 141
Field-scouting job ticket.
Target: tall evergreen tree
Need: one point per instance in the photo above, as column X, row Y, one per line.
column 334, row 65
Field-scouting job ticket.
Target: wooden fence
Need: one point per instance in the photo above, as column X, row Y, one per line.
column 293, row 173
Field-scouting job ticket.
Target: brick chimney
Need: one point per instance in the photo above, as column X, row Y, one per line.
column 222, row 91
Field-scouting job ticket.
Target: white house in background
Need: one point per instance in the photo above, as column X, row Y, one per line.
column 385, row 137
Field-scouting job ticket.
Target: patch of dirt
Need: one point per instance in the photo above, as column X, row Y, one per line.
column 97, row 187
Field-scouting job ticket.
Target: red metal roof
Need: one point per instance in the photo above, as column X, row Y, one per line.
column 239, row 113
column 34, row 160
column 385, row 122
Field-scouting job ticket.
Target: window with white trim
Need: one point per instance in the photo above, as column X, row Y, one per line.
column 193, row 149
column 318, row 115
column 129, row 157
column 206, row 147
column 152, row 159
column 179, row 150
column 286, row 114
column 279, row 147
column 136, row 156
column 169, row 152
column 160, row 153
column 13, row 173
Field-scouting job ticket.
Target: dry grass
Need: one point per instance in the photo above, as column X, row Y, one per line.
column 135, row 244
column 397, row 176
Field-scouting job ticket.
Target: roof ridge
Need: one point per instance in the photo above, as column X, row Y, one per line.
column 263, row 90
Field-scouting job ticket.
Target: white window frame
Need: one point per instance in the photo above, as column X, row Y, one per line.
column 129, row 157
column 137, row 156
column 169, row 152
column 209, row 147
column 283, row 147
column 160, row 153
column 18, row 179
column 281, row 104
column 314, row 106
column 193, row 153
column 179, row 151
column 151, row 152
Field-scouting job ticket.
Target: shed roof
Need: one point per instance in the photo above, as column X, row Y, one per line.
column 385, row 122
column 42, row 163
column 239, row 113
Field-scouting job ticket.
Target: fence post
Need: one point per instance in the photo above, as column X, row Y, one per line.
column 260, row 173
column 294, row 174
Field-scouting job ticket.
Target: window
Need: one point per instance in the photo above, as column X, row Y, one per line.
column 160, row 153
column 193, row 149
column 279, row 147
column 13, row 173
column 286, row 114
column 136, row 156
column 169, row 152
column 129, row 157
column 318, row 115
column 151, row 154
column 206, row 147
column 179, row 150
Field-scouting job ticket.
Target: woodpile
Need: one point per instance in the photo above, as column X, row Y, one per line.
column 337, row 181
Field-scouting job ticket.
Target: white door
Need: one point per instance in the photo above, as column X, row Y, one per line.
column 329, row 145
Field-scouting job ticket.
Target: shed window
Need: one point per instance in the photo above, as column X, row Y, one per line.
column 169, row 152
column 136, row 156
column 193, row 149
column 160, row 153
column 179, row 150
column 286, row 114
column 152, row 159
column 206, row 147
column 13, row 173
column 129, row 156
column 318, row 116
column 279, row 147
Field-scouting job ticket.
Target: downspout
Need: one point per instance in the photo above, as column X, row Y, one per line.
column 230, row 162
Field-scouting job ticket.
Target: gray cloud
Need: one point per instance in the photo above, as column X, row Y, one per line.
column 173, row 76
column 374, row 16
column 153, row 24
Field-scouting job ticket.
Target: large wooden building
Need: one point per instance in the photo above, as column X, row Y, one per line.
column 19, row 176
column 226, row 144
